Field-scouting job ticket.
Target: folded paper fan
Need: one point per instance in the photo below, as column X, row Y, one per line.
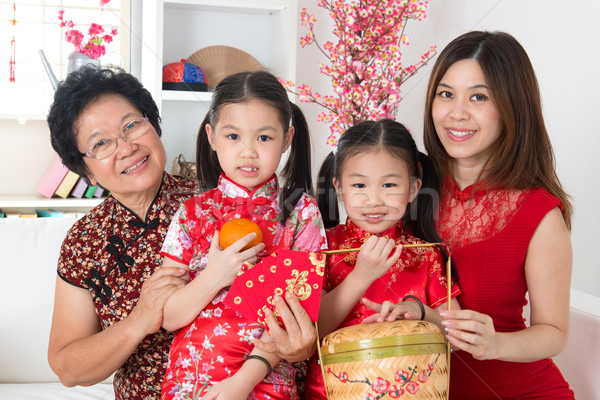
column 297, row 272
column 217, row 62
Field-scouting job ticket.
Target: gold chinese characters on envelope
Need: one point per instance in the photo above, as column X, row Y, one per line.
column 298, row 272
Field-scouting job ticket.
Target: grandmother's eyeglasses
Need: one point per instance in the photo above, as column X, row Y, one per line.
column 105, row 147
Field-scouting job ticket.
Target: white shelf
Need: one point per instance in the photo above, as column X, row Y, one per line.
column 23, row 118
column 249, row 6
column 35, row 201
column 175, row 29
column 181, row 95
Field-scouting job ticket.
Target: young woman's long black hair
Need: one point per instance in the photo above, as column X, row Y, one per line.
column 242, row 87
column 393, row 137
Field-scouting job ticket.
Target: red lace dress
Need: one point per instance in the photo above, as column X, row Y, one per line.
column 214, row 345
column 489, row 232
column 420, row 271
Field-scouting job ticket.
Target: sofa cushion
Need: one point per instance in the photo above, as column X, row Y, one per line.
column 30, row 249
column 55, row 391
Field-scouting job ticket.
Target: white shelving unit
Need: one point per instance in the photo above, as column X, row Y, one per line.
column 174, row 29
column 31, row 202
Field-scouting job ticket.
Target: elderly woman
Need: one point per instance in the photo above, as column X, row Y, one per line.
column 110, row 290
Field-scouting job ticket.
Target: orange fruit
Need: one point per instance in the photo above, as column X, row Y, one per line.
column 234, row 230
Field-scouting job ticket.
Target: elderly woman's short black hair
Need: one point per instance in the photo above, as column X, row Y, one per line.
column 81, row 88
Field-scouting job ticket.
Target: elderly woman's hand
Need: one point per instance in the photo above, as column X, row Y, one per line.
column 298, row 341
column 148, row 311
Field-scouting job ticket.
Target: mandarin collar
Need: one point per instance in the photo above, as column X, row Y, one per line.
column 393, row 232
column 473, row 191
column 229, row 188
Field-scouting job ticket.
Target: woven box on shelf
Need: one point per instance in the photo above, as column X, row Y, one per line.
column 184, row 168
column 404, row 358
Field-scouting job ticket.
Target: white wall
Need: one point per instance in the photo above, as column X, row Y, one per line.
column 562, row 42
column 25, row 152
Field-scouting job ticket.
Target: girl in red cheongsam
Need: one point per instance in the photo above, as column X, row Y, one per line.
column 376, row 173
column 250, row 124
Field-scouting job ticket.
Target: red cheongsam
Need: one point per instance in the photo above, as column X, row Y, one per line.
column 420, row 272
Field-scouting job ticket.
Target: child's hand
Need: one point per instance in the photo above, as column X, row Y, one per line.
column 389, row 311
column 374, row 258
column 228, row 389
column 226, row 263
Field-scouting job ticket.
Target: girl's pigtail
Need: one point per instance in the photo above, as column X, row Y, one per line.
column 326, row 195
column 427, row 205
column 296, row 175
column 208, row 168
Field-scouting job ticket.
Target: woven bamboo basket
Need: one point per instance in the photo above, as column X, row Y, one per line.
column 386, row 360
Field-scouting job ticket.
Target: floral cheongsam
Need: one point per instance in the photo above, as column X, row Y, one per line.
column 111, row 252
column 214, row 346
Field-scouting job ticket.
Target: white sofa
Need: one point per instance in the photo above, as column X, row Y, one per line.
column 29, row 250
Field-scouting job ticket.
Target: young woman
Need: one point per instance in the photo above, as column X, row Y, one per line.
column 506, row 217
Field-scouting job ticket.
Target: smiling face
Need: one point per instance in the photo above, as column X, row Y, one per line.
column 249, row 141
column 134, row 171
column 375, row 187
column 464, row 115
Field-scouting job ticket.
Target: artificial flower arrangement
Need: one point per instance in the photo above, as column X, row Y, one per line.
column 94, row 46
column 365, row 64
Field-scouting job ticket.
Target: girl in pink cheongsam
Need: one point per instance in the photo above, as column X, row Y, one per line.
column 249, row 126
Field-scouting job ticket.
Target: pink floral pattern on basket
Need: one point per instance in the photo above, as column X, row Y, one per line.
column 406, row 382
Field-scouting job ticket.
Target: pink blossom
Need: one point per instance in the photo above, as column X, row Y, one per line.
column 94, row 46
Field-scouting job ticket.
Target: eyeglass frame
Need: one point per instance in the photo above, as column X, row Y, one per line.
column 121, row 135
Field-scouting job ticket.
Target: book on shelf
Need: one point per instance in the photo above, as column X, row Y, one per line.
column 79, row 188
column 67, row 184
column 49, row 213
column 52, row 178
column 89, row 192
column 29, row 214
column 99, row 191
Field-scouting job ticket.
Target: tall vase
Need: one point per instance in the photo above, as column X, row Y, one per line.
column 77, row 60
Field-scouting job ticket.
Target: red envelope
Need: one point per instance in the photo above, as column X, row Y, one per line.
column 300, row 273
column 242, row 293
column 297, row 272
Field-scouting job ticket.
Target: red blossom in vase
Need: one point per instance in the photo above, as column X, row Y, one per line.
column 365, row 64
column 94, row 47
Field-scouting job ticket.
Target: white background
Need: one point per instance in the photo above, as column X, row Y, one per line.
column 563, row 43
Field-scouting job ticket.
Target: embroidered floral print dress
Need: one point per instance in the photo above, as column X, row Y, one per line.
column 111, row 252
column 214, row 346
column 489, row 232
column 420, row 271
